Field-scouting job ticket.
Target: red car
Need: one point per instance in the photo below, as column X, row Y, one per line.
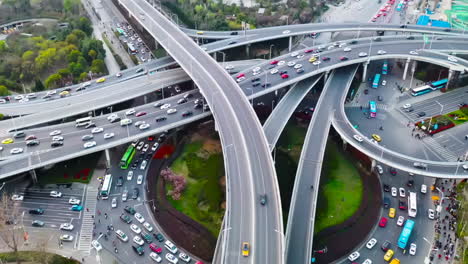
column 274, row 62
column 31, row 137
column 343, row 58
column 155, row 248
column 383, row 222
column 151, row 138
column 240, row 75
column 140, row 114
column 284, row 76
column 325, row 58
column 309, row 51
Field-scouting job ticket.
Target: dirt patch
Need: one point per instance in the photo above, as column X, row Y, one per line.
column 212, row 146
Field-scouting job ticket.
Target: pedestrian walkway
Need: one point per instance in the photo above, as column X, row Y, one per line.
column 442, row 151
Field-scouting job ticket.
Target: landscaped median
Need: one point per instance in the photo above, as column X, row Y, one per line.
column 440, row 123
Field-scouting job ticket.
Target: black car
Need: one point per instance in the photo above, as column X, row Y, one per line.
column 255, row 79
column 160, row 119
column 234, row 33
column 159, row 237
column 37, row 223
column 55, row 144
column 410, row 182
column 377, row 39
column 87, row 137
column 366, row 91
column 113, row 120
column 146, row 237
column 187, row 113
column 81, row 88
column 403, row 26
column 135, row 194
column 402, row 205
column 282, row 72
column 232, row 42
column 196, row 106
column 182, row 101
column 90, row 125
column 386, row 188
column 392, row 171
column 380, row 98
column 266, row 85
column 386, row 246
column 31, row 143
column 134, row 165
column 447, row 30
column 256, row 84
column 125, row 218
column 421, row 114
column 409, row 110
column 325, row 58
column 120, row 181
column 129, row 209
column 410, row 37
column 140, row 70
column 386, row 202
column 37, row 211
column 138, row 249
column 353, row 41
column 207, row 107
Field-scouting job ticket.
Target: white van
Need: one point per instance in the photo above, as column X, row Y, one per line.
column 170, row 246
column 125, row 122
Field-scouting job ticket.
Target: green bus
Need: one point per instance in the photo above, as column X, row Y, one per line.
column 127, row 157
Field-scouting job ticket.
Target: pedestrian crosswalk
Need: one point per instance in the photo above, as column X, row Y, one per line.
column 356, row 104
column 441, row 150
column 84, row 244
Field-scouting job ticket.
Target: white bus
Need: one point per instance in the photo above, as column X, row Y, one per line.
column 412, row 207
column 82, row 121
column 106, row 186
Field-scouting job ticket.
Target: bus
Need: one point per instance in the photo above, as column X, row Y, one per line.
column 82, row 121
column 376, row 82
column 106, row 186
column 412, row 206
column 131, row 48
column 127, row 157
column 385, row 68
column 421, row 90
column 372, row 109
column 438, row 84
column 405, row 234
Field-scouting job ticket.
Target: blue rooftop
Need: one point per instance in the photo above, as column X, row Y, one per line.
column 425, row 20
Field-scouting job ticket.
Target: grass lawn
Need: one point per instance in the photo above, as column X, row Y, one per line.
column 340, row 191
column 462, row 118
column 292, row 139
column 75, row 170
column 203, row 195
column 35, row 257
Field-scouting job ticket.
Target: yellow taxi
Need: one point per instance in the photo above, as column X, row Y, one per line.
column 64, row 93
column 245, row 249
column 395, row 261
column 391, row 213
column 100, row 80
column 7, row 141
column 388, row 256
column 312, row 59
column 200, row 32
column 376, row 137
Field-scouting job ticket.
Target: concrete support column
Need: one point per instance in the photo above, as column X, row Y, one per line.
column 326, row 75
column 413, row 67
column 108, row 161
column 156, row 44
column 247, row 49
column 452, row 78
column 364, row 72
column 214, row 56
column 373, row 164
column 290, row 44
column 33, row 176
column 406, row 68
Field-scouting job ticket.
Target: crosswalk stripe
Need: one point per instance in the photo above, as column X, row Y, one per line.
column 84, row 244
column 444, row 152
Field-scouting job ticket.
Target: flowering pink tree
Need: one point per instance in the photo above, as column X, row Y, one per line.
column 177, row 181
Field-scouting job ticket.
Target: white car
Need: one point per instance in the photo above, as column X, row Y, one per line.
column 138, row 240
column 155, row 146
column 143, row 164
column 97, row 130
column 130, row 112
column 135, row 229
column 17, row 197
column 129, row 175
column 108, row 135
column 121, row 235
column 55, row 194
column 55, row 133
column 112, row 117
column 171, row 258
column 367, row 261
column 256, row 69
column 379, row 169
column 347, row 49
column 291, row 63
column 381, row 52
column 114, row 203
column 413, row 52
column 57, row 138
column 155, row 257
column 124, row 195
column 165, row 106
column 300, row 56
column 96, row 245
column 144, row 126
column 402, row 192
column 240, row 79
column 33, row 95
column 229, row 67
column 66, row 238
column 286, row 32
column 139, row 217
column 281, row 63
column 423, row 188
column 384, row 82
column 147, row 226
column 67, row 227
column 294, row 54
column 406, row 106
column 297, row 66
column 362, row 54
column 394, row 191
column 452, row 59
column 355, row 255
column 74, row 201
column 274, row 71
column 90, row 144
column 256, row 73
column 16, row 151
column 371, row 243
column 400, row 220
column 412, row 250
column 140, row 179
column 431, row 214
column 184, row 257
column 171, row 111
column 358, row 138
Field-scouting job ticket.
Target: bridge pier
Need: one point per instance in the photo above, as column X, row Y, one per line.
column 108, row 161
column 326, row 75
column 452, row 78
column 214, row 56
column 290, row 44
column 247, row 49
column 33, row 176
column 364, row 72
column 406, row 68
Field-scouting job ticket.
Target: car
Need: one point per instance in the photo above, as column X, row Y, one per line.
column 366, row 91
column 343, row 58
column 386, row 202
column 431, row 214
column 376, row 137
column 144, row 126
column 452, row 59
column 90, row 144
column 286, row 32
column 76, row 207
column 108, row 135
column 139, row 217
column 140, row 145
column 20, row 134
column 55, row 144
column 37, row 211
column 355, row 255
column 138, row 240
column 316, row 62
column 358, row 138
column 135, row 193
column 87, row 137
column 159, row 237
column 394, row 191
column 379, row 169
column 383, row 222
column 74, row 200
column 413, row 52
column 362, row 54
column 423, row 188
column 274, row 71
column 291, row 63
column 147, row 226
column 412, row 250
column 284, row 76
column 392, row 171
column 384, row 82
column 245, row 249
column 325, row 58
column 96, row 245
column 37, row 223
column 171, row 111
column 388, row 255
column 140, row 70
column 66, row 226
column 64, row 93
column 187, row 113
column 138, row 249
column 410, row 182
column 402, row 192
column 155, row 257
column 297, row 66
column 140, row 114
column 240, row 79
column 97, row 130
column 347, row 49
column 400, row 220
column 312, row 59
column 184, row 257
column 263, row 199
column 17, row 197
column 386, row 188
column 420, row 165
column 129, row 175
column 386, row 246
column 55, row 194
column 155, row 248
column 66, row 238
column 160, row 119
column 121, row 235
column 371, row 243
column 144, row 163
column 381, row 52
column 100, row 80
column 421, row 114
column 146, row 237
column 125, row 218
column 367, row 261
column 300, row 70
column 7, row 141
column 130, row 112
column 114, row 203
column 405, row 106
column 391, row 213
column 171, row 258
column 15, row 151
column 135, row 229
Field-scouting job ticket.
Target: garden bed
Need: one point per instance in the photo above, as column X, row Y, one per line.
column 435, row 124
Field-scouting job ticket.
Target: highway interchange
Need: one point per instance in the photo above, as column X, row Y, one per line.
column 401, row 51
